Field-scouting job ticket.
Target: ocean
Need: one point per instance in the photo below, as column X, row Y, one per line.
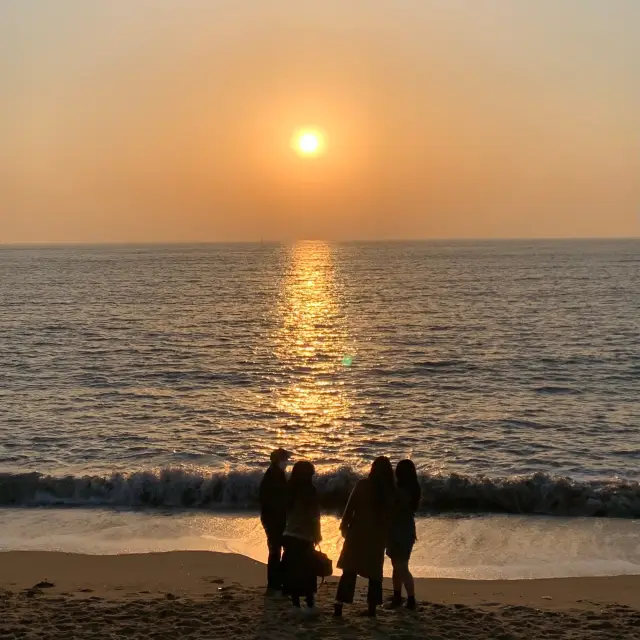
column 163, row 376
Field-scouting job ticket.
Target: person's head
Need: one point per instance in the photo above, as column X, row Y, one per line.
column 300, row 482
column 381, row 478
column 302, row 473
column 280, row 458
column 407, row 479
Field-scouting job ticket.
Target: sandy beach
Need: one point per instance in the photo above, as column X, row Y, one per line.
column 215, row 595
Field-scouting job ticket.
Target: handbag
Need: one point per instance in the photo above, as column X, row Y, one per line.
column 322, row 564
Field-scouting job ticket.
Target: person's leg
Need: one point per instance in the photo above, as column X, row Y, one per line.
column 407, row 580
column 409, row 583
column 396, row 579
column 310, row 578
column 292, row 562
column 274, row 574
column 346, row 587
column 374, row 596
column 346, row 590
column 410, row 586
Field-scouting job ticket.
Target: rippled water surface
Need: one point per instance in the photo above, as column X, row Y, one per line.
column 500, row 358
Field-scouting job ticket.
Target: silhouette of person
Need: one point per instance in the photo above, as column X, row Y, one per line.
column 273, row 514
column 365, row 526
column 402, row 532
column 301, row 534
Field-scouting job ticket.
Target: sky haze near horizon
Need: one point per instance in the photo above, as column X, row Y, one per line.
column 172, row 121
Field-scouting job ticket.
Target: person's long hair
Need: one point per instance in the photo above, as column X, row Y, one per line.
column 300, row 485
column 382, row 482
column 407, row 480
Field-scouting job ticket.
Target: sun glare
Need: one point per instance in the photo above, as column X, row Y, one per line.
column 308, row 142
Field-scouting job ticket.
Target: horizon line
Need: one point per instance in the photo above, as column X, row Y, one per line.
column 89, row 243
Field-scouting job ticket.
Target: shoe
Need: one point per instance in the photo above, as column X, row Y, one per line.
column 411, row 603
column 309, row 612
column 368, row 613
column 337, row 610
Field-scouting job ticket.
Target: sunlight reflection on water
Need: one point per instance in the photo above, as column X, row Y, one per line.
column 312, row 341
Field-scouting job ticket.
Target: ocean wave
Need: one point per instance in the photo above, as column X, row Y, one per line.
column 539, row 494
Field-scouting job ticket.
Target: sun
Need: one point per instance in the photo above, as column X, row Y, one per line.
column 308, row 142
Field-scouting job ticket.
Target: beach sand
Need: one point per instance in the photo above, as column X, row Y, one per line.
column 215, row 595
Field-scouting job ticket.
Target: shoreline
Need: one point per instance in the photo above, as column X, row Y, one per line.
column 480, row 548
column 208, row 594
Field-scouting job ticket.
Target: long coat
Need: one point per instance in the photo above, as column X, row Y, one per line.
column 365, row 527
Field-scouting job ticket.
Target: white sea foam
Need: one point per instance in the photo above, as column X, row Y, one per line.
column 183, row 488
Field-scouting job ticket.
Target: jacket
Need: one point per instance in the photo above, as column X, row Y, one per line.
column 273, row 499
column 303, row 519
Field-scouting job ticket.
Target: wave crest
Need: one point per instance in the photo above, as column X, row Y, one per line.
column 540, row 493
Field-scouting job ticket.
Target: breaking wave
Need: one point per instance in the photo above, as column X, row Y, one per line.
column 180, row 488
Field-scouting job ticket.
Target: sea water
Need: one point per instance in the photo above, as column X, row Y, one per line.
column 162, row 376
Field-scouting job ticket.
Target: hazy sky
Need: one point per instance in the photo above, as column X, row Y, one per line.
column 171, row 120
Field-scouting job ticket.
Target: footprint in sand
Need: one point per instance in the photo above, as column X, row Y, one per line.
column 45, row 584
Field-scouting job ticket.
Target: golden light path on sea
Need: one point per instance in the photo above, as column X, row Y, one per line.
column 312, row 345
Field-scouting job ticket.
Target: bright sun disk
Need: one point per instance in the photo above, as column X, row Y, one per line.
column 308, row 142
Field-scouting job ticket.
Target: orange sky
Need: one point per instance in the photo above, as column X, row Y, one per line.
column 167, row 120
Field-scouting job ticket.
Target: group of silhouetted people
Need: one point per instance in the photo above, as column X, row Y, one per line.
column 379, row 517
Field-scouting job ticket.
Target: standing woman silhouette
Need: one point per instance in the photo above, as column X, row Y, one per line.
column 301, row 534
column 402, row 532
column 365, row 526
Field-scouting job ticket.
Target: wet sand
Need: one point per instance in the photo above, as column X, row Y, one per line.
column 216, row 595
